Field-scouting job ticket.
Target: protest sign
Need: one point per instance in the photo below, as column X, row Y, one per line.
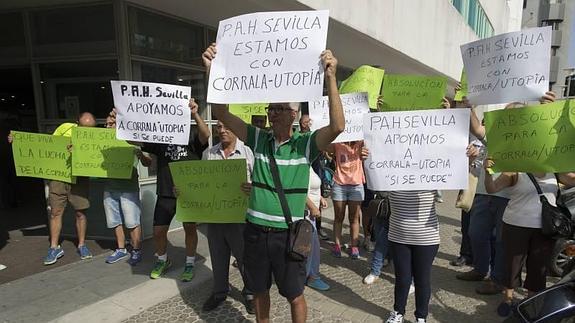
column 209, row 190
column 459, row 95
column 42, row 156
column 269, row 57
column 412, row 92
column 152, row 112
column 532, row 139
column 355, row 105
column 417, row 150
column 508, row 67
column 97, row 153
column 247, row 111
column 364, row 79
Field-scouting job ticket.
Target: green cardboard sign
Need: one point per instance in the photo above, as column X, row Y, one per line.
column 42, row 156
column 97, row 153
column 209, row 190
column 538, row 138
column 412, row 92
column 246, row 111
column 463, row 92
column 364, row 79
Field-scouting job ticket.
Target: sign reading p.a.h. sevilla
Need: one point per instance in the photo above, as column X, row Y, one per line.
column 152, row 112
column 269, row 57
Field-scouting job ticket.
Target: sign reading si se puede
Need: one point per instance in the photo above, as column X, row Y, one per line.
column 508, row 67
column 269, row 57
column 417, row 150
column 355, row 105
column 42, row 156
column 97, row 153
column 209, row 190
column 412, row 92
column 364, row 79
column 152, row 112
column 247, row 111
column 538, row 138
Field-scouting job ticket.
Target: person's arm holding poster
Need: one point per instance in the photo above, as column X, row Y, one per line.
column 221, row 111
column 203, row 129
column 327, row 134
column 505, row 179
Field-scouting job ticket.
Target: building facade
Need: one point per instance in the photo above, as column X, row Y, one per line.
column 60, row 55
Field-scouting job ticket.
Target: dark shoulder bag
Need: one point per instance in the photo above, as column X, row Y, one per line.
column 299, row 232
column 555, row 220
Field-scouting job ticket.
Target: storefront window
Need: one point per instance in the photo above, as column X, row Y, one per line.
column 73, row 31
column 166, row 38
column 70, row 88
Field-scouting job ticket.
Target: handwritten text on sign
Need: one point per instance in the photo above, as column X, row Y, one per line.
column 364, row 79
column 540, row 138
column 269, row 57
column 416, row 150
column 355, row 105
column 247, row 111
column 209, row 190
column 42, row 156
column 97, row 153
column 152, row 112
column 412, row 92
column 509, row 67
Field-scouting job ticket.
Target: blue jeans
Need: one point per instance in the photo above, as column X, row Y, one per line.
column 486, row 216
column 381, row 245
column 118, row 204
column 312, row 266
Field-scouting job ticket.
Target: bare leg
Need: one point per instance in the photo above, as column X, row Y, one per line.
column 55, row 226
column 161, row 239
column 262, row 303
column 191, row 238
column 354, row 214
column 81, row 224
column 120, row 237
column 339, row 215
column 298, row 309
column 136, row 236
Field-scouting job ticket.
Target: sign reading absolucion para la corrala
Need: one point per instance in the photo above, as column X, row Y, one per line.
column 152, row 112
column 508, row 67
column 269, row 57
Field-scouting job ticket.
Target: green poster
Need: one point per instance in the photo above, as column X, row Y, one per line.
column 97, row 153
column 246, row 111
column 538, row 138
column 412, row 92
column 364, row 79
column 42, row 156
column 209, row 190
column 463, row 92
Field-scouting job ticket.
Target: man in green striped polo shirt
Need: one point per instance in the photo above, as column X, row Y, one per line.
column 266, row 233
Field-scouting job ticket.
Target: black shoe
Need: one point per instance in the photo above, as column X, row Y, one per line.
column 460, row 261
column 212, row 303
column 249, row 304
column 322, row 235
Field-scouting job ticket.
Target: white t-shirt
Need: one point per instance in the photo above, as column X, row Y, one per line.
column 314, row 188
column 524, row 207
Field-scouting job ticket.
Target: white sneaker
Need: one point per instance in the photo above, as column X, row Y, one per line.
column 370, row 279
column 394, row 317
column 421, row 320
column 411, row 289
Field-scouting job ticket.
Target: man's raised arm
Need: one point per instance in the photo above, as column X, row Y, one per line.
column 221, row 111
column 336, row 125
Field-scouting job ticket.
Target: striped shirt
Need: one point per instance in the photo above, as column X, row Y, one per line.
column 293, row 158
column 413, row 220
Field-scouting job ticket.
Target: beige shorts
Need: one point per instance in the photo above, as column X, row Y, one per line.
column 61, row 193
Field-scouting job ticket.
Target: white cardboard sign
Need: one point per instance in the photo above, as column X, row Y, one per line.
column 355, row 105
column 269, row 57
column 417, row 150
column 152, row 112
column 508, row 67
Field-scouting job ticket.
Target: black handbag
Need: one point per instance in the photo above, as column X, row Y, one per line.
column 555, row 220
column 300, row 233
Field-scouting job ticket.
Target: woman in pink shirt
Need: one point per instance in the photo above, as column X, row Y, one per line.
column 347, row 191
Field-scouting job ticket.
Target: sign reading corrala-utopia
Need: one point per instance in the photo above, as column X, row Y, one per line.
column 152, row 112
